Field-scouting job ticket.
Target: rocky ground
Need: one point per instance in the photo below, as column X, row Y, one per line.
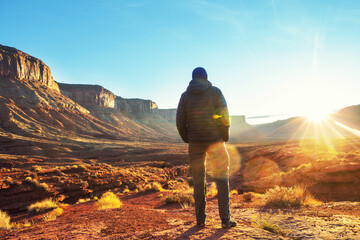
column 146, row 216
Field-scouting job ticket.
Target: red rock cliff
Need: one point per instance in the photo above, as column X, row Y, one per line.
column 142, row 106
column 88, row 95
column 15, row 64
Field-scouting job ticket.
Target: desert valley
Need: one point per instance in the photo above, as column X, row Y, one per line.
column 74, row 144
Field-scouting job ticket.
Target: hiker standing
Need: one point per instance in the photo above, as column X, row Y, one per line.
column 202, row 120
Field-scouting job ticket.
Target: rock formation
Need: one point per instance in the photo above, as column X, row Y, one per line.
column 95, row 95
column 122, row 105
column 15, row 64
column 88, row 95
column 169, row 114
column 142, row 106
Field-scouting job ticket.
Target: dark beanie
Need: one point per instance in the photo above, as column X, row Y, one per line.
column 199, row 72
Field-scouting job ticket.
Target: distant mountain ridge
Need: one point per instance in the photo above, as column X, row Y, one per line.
column 33, row 104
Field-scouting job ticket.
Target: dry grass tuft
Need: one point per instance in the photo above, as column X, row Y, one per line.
column 108, row 200
column 233, row 192
column 251, row 196
column 154, row 186
column 185, row 199
column 4, row 221
column 289, row 197
column 267, row 223
column 43, row 205
column 53, row 214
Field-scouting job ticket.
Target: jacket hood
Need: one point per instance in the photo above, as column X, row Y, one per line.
column 198, row 86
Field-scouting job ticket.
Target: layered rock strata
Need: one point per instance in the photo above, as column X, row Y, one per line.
column 15, row 64
column 88, row 95
column 142, row 106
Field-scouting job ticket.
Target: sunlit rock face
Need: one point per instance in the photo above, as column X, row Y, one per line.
column 88, row 95
column 142, row 106
column 95, row 95
column 15, row 64
column 328, row 175
column 122, row 105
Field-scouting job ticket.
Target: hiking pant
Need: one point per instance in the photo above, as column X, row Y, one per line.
column 215, row 157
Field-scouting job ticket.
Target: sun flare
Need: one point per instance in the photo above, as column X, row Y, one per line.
column 317, row 116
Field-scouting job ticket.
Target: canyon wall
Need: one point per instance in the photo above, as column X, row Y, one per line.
column 142, row 106
column 169, row 114
column 88, row 95
column 95, row 95
column 15, row 64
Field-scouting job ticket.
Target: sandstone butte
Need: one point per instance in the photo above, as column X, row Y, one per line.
column 18, row 65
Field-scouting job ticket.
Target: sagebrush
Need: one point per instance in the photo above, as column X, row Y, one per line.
column 108, row 200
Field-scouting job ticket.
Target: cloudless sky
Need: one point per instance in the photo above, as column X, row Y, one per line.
column 268, row 56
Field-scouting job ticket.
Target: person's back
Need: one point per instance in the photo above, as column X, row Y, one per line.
column 202, row 120
column 197, row 108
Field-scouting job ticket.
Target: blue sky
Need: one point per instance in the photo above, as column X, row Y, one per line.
column 268, row 57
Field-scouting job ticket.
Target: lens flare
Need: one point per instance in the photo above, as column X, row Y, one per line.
column 317, row 116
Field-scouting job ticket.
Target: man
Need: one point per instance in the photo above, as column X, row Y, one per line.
column 202, row 120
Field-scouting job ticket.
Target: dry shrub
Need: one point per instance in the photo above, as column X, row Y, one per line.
column 233, row 192
column 251, row 196
column 289, row 197
column 82, row 200
column 43, row 205
column 185, row 199
column 4, row 221
column 36, row 168
column 108, row 200
column 267, row 223
column 35, row 183
column 178, row 185
column 154, row 186
column 53, row 214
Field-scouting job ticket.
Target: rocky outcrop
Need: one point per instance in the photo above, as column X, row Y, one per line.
column 327, row 175
column 142, row 106
column 88, row 95
column 95, row 95
column 122, row 105
column 169, row 114
column 15, row 64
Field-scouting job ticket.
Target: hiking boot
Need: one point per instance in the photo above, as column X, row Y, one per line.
column 229, row 224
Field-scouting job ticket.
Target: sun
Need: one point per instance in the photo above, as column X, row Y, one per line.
column 317, row 116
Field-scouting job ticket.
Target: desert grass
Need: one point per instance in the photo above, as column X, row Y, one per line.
column 4, row 221
column 289, row 197
column 44, row 205
column 233, row 192
column 83, row 200
column 35, row 183
column 185, row 199
column 53, row 214
column 151, row 187
column 266, row 222
column 251, row 196
column 27, row 223
column 108, row 200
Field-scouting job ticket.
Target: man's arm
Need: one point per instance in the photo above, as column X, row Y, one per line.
column 181, row 119
column 225, row 117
